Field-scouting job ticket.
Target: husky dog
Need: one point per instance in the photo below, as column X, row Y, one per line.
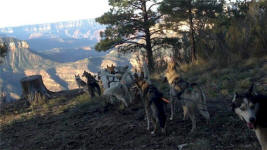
column 92, row 84
column 153, row 103
column 171, row 76
column 79, row 81
column 109, row 80
column 191, row 96
column 252, row 108
column 121, row 89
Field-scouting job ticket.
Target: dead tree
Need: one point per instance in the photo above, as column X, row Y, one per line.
column 34, row 89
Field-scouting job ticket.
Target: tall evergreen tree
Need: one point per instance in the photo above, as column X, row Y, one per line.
column 130, row 27
column 197, row 14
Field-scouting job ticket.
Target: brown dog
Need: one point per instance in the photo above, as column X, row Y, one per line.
column 154, row 105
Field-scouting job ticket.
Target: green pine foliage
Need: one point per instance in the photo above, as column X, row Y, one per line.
column 198, row 15
column 130, row 27
column 237, row 35
column 215, row 34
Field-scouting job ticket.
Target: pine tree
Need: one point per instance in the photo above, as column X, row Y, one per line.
column 130, row 27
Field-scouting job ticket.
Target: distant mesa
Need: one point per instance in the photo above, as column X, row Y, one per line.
column 79, row 29
column 35, row 35
column 87, row 48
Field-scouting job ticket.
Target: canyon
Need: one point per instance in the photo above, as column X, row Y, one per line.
column 60, row 51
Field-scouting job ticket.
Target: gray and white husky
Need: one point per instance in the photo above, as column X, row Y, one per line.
column 252, row 108
column 80, row 82
column 189, row 95
column 121, row 90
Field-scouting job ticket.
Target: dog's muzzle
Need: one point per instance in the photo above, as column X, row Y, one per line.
column 251, row 123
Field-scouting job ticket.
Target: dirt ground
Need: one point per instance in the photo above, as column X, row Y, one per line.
column 95, row 127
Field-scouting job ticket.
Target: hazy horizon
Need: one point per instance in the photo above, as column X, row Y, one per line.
column 16, row 13
column 46, row 23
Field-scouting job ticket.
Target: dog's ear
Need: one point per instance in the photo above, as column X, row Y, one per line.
column 142, row 75
column 164, row 79
column 235, row 96
column 250, row 91
column 83, row 73
column 136, row 76
column 234, row 101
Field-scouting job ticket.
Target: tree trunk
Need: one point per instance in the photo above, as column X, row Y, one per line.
column 192, row 35
column 150, row 60
column 147, row 38
column 33, row 88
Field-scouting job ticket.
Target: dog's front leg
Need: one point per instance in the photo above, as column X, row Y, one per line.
column 156, row 125
column 147, row 115
column 172, row 105
column 98, row 89
column 194, row 122
column 127, row 93
column 91, row 91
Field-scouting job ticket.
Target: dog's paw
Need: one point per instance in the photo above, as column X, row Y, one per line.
column 148, row 128
column 171, row 118
column 153, row 132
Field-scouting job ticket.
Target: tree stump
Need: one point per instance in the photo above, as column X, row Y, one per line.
column 34, row 89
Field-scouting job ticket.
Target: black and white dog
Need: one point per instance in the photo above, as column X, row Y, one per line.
column 252, row 108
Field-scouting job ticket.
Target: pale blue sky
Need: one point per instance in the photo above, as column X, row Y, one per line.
column 23, row 12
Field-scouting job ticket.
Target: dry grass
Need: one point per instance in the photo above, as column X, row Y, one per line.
column 223, row 82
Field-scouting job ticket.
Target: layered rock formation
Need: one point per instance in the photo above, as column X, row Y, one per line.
column 21, row 61
column 79, row 29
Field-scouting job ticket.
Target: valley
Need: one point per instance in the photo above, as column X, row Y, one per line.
column 57, row 51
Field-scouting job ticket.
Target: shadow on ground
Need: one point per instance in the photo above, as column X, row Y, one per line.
column 92, row 126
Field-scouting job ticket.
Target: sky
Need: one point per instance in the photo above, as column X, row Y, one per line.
column 25, row 12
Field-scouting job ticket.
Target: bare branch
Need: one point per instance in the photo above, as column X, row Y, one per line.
column 154, row 32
